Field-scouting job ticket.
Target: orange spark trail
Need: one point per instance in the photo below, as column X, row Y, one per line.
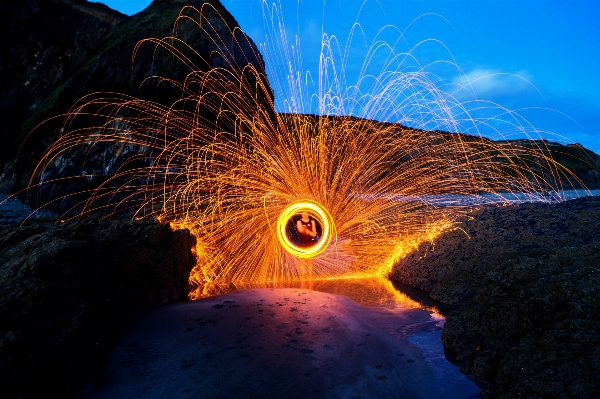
column 221, row 162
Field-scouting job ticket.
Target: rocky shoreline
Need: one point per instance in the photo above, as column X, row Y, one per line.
column 13, row 212
column 524, row 282
column 66, row 288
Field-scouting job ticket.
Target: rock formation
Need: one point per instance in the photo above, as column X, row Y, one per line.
column 59, row 51
column 66, row 288
column 524, row 283
column 44, row 44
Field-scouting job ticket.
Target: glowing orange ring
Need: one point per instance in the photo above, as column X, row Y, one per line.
column 318, row 212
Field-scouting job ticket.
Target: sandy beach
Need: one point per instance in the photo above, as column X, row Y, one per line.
column 275, row 343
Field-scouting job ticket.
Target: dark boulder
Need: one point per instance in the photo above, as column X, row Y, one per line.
column 524, row 282
column 453, row 267
column 66, row 288
column 534, row 330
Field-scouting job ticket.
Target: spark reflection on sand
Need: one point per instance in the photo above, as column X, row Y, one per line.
column 368, row 291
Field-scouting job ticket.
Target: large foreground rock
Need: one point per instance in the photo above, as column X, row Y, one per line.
column 525, row 282
column 66, row 288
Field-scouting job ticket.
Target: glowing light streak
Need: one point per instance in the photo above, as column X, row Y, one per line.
column 235, row 176
column 315, row 210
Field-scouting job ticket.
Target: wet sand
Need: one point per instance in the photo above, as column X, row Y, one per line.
column 274, row 343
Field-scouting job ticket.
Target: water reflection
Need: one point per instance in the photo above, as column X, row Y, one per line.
column 447, row 381
column 367, row 291
column 515, row 198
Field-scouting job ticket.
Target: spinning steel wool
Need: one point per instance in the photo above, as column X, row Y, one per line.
column 222, row 162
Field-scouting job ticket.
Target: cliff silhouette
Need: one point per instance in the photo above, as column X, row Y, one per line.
column 57, row 51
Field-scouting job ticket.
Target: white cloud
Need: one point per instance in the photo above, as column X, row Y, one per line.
column 490, row 83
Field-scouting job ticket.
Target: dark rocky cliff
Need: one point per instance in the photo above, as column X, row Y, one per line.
column 583, row 163
column 44, row 43
column 61, row 50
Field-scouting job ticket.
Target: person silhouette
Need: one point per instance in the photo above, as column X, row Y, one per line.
column 307, row 231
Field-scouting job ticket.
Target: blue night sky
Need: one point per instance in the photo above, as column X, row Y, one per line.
column 540, row 57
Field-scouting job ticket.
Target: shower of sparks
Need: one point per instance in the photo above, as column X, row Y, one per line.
column 223, row 163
